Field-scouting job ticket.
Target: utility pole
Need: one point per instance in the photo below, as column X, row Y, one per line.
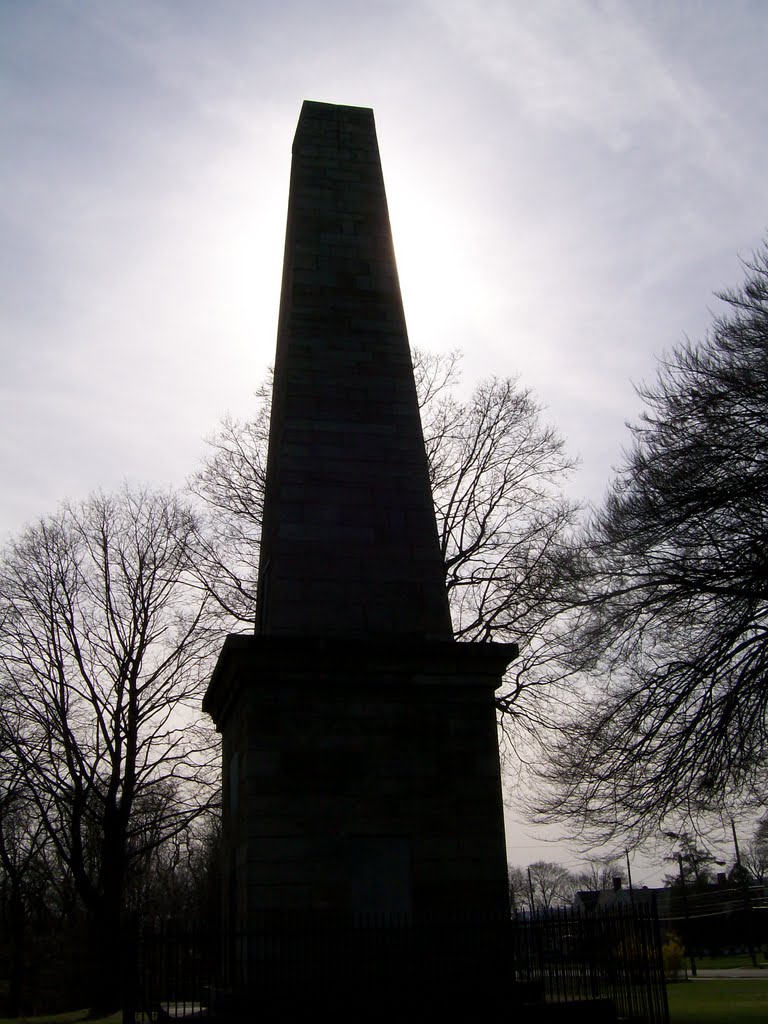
column 747, row 900
column 530, row 889
column 629, row 879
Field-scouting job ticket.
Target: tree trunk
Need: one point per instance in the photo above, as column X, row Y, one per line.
column 18, row 936
column 106, row 966
column 106, row 929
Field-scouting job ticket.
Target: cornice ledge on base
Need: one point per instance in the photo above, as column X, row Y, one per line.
column 389, row 660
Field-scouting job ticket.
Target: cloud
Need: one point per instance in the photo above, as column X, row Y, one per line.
column 591, row 70
column 564, row 178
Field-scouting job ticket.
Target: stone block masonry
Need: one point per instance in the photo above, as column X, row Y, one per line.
column 361, row 770
column 349, row 543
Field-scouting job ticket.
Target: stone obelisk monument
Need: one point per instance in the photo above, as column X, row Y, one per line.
column 361, row 771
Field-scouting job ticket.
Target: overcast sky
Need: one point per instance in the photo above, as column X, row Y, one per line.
column 569, row 182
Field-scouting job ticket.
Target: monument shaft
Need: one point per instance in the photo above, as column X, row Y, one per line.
column 361, row 770
column 349, row 544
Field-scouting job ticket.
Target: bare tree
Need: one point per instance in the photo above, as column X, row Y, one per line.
column 497, row 471
column 231, row 483
column 519, row 890
column 541, row 886
column 676, row 613
column 598, row 873
column 23, row 873
column 755, row 857
column 104, row 646
column 180, row 878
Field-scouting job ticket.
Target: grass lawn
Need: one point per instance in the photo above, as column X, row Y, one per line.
column 718, row 1002
column 73, row 1017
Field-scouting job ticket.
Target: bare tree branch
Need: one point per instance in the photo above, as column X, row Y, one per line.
column 505, row 527
column 104, row 651
column 676, row 609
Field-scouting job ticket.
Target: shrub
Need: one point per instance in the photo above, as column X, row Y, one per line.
column 673, row 955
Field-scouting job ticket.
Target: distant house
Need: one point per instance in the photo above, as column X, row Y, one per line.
column 718, row 917
column 589, row 900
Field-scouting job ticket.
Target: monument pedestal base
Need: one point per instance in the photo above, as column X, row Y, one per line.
column 361, row 777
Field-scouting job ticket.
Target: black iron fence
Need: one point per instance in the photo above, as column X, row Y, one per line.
column 612, row 954
column 608, row 962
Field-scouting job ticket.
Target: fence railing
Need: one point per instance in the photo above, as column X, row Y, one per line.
column 609, row 954
column 377, row 966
